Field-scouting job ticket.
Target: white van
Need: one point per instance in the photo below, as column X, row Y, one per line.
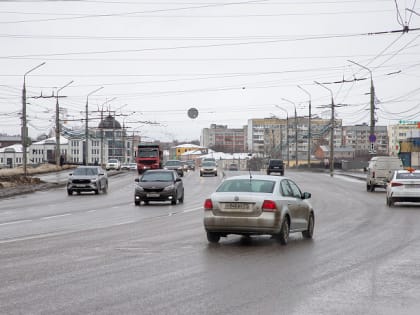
column 379, row 170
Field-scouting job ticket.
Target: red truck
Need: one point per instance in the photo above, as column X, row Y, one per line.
column 149, row 156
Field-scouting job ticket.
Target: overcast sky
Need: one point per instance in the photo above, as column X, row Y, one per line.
column 231, row 60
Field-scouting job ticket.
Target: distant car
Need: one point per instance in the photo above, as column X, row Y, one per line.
column 379, row 170
column 191, row 165
column 403, row 186
column 87, row 178
column 233, row 167
column 275, row 166
column 257, row 205
column 208, row 168
column 159, row 185
column 129, row 166
column 113, row 164
column 209, row 159
column 175, row 165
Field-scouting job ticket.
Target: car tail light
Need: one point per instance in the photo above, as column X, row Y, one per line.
column 208, row 204
column 269, row 206
column 395, row 184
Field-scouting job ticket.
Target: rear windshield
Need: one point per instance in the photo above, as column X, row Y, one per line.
column 276, row 163
column 408, row 176
column 246, row 185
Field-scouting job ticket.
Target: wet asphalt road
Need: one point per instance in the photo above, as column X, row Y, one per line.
column 100, row 254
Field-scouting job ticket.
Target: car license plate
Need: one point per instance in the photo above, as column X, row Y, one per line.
column 152, row 195
column 236, row 206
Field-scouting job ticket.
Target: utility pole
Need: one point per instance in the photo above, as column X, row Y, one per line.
column 24, row 132
column 86, row 152
column 309, row 125
column 332, row 122
column 296, row 132
column 372, row 136
column 287, row 133
column 57, row 126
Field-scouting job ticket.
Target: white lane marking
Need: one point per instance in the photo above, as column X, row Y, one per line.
column 126, row 222
column 191, row 210
column 15, row 222
column 56, row 216
column 90, row 211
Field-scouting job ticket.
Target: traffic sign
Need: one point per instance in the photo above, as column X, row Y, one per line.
column 372, row 138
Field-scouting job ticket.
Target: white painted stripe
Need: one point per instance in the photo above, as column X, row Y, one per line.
column 56, row 216
column 191, row 210
column 122, row 223
column 15, row 222
column 90, row 211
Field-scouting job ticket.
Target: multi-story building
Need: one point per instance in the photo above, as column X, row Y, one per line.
column 358, row 137
column 401, row 132
column 286, row 138
column 224, row 139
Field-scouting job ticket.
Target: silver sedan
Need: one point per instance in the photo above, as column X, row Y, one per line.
column 257, row 205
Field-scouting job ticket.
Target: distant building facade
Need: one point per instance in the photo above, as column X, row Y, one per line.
column 358, row 137
column 224, row 139
column 401, row 132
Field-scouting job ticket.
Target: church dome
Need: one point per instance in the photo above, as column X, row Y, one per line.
column 109, row 122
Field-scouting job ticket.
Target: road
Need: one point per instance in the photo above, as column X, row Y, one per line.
column 100, row 254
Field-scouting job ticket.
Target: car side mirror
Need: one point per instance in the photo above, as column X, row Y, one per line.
column 137, row 180
column 178, row 179
column 306, row 195
column 101, row 174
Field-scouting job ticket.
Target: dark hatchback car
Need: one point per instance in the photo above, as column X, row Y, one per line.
column 175, row 165
column 87, row 178
column 159, row 185
column 275, row 166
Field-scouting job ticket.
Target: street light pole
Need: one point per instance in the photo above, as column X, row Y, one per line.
column 309, row 125
column 296, row 132
column 86, row 152
column 287, row 132
column 372, row 106
column 332, row 130
column 57, row 126
column 24, row 133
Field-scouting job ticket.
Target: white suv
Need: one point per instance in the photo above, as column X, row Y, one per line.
column 113, row 164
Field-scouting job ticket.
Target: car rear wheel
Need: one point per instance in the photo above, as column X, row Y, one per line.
column 283, row 236
column 137, row 202
column 310, row 231
column 213, row 237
